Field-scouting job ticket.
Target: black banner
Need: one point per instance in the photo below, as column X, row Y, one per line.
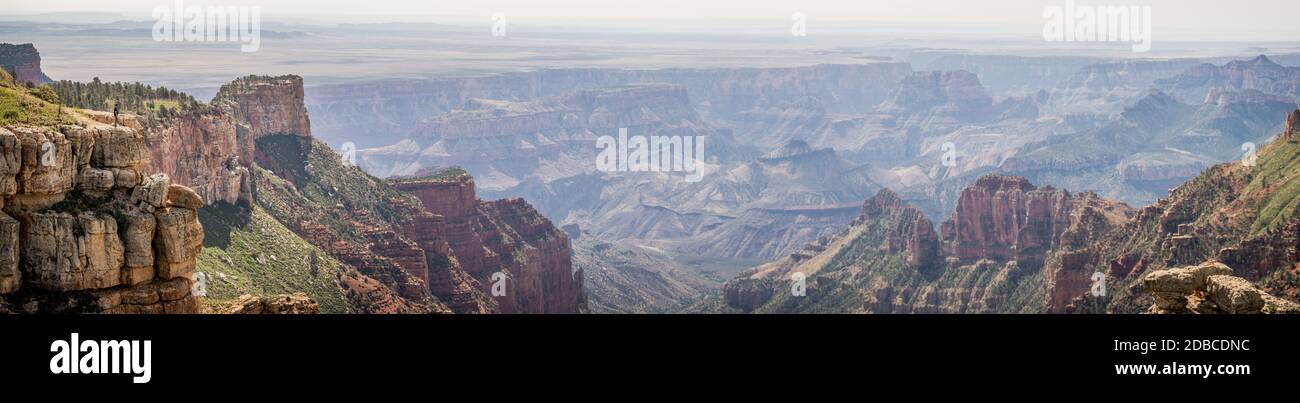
column 328, row 351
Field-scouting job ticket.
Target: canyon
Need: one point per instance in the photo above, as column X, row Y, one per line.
column 794, row 151
column 1219, row 243
column 445, row 190
column 246, row 165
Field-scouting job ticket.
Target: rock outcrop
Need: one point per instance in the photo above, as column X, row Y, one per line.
column 266, row 105
column 292, row 304
column 23, row 62
column 82, row 233
column 986, row 258
column 211, row 150
column 1292, row 124
column 204, row 152
column 1006, row 218
column 1210, row 288
column 505, row 245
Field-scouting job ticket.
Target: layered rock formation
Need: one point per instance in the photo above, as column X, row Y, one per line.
column 1006, row 218
column 23, row 62
column 203, row 151
column 891, row 260
column 381, row 113
column 211, row 150
column 358, row 220
column 266, row 105
column 1210, row 288
column 1260, row 73
column 85, row 231
column 503, row 242
column 885, row 226
column 939, row 100
column 549, row 137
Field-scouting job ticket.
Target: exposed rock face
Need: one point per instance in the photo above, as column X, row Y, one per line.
column 1004, row 218
column 23, row 60
column 1292, row 123
column 1007, row 218
column 267, row 105
column 1210, row 288
column 504, row 242
column 913, row 237
column 211, row 151
column 204, row 152
column 292, row 304
column 79, row 242
column 890, row 259
column 10, row 276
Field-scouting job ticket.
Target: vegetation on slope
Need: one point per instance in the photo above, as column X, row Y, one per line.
column 1277, row 180
column 261, row 257
column 303, row 183
column 37, row 106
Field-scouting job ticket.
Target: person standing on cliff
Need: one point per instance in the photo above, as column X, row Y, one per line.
column 115, row 113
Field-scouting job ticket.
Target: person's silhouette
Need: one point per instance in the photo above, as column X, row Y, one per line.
column 115, row 114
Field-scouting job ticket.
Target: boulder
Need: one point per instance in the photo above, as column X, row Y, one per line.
column 153, row 191
column 183, row 197
column 125, row 177
column 96, row 180
column 1210, row 288
column 1234, row 294
column 1183, row 281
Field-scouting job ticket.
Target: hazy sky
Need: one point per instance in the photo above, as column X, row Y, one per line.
column 1174, row 19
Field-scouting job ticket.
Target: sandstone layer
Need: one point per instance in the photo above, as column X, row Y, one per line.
column 84, row 230
column 506, row 245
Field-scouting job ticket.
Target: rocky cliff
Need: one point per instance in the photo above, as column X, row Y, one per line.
column 212, row 149
column 23, row 62
column 988, row 257
column 203, row 151
column 1012, row 247
column 503, row 243
column 266, row 105
column 84, row 227
column 252, row 149
column 1006, row 218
